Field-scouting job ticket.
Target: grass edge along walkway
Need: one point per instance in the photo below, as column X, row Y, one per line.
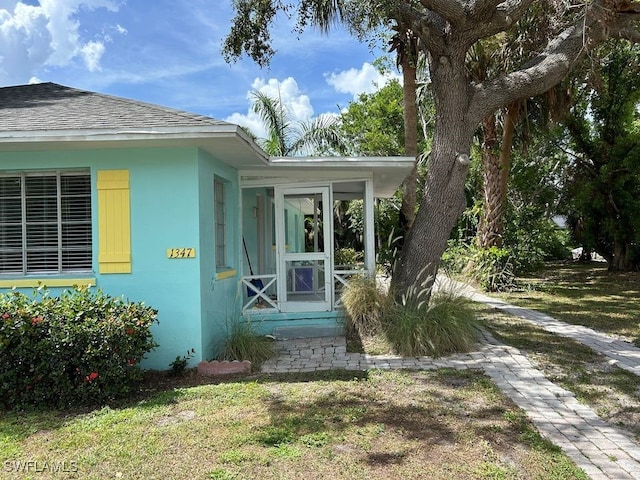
column 621, row 353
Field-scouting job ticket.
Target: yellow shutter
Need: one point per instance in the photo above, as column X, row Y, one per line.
column 114, row 222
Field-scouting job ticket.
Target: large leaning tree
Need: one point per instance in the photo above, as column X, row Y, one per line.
column 447, row 30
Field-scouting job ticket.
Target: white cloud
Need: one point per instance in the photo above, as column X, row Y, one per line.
column 48, row 34
column 356, row 81
column 297, row 104
column 92, row 52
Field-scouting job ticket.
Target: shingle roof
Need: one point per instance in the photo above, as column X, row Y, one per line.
column 49, row 106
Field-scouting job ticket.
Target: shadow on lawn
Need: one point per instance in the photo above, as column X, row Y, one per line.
column 394, row 410
column 432, row 408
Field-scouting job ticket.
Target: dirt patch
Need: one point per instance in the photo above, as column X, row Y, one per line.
column 178, row 417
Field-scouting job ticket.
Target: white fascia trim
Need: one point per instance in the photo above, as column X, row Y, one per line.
column 120, row 134
column 156, row 133
column 342, row 162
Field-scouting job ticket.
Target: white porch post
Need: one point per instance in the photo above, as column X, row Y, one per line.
column 369, row 236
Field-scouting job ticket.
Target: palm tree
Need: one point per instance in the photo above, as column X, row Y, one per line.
column 498, row 129
column 406, row 46
column 287, row 137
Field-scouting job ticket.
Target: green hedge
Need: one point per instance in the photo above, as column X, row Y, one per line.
column 81, row 348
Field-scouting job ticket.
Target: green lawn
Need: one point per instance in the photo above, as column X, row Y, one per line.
column 584, row 295
column 338, row 425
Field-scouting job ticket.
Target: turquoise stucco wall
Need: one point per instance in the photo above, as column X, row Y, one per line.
column 172, row 206
column 164, row 206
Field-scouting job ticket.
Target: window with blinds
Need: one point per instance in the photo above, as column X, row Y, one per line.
column 45, row 223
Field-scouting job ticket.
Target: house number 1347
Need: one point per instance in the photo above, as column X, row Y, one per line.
column 181, row 252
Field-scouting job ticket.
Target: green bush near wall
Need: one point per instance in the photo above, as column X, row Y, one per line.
column 81, row 348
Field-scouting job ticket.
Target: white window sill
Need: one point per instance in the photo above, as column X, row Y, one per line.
column 46, row 282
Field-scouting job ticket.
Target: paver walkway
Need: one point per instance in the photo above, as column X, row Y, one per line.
column 622, row 353
column 602, row 451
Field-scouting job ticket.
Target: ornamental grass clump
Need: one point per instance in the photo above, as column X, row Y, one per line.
column 426, row 323
column 243, row 343
column 419, row 322
column 365, row 305
column 80, row 348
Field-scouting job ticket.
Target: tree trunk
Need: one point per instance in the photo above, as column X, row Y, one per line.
column 490, row 227
column 509, row 130
column 495, row 177
column 443, row 196
column 623, row 258
column 410, row 116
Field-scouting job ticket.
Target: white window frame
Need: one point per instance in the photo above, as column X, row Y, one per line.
column 57, row 247
column 220, row 223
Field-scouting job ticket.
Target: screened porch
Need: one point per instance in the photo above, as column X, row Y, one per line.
column 302, row 243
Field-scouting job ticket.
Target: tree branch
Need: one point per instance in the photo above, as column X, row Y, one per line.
column 428, row 25
column 552, row 65
column 452, row 11
column 478, row 18
column 490, row 17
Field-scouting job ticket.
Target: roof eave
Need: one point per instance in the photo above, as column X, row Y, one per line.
column 199, row 136
column 342, row 162
column 9, row 136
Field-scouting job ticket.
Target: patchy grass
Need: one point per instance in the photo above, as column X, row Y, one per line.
column 586, row 295
column 386, row 425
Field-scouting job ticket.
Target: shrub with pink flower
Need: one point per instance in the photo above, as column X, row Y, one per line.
column 88, row 336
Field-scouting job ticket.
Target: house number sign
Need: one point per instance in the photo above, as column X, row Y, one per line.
column 181, row 253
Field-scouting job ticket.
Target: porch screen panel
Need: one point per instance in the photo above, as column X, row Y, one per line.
column 114, row 222
column 304, row 265
column 305, row 279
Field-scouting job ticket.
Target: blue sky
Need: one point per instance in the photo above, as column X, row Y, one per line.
column 168, row 52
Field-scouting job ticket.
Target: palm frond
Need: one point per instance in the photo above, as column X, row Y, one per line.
column 320, row 13
column 319, row 135
column 275, row 119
